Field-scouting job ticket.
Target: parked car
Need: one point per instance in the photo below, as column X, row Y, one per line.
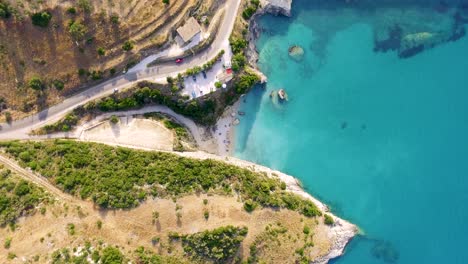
column 194, row 78
column 204, row 74
column 179, row 60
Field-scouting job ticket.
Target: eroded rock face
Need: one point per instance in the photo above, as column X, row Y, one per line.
column 277, row 7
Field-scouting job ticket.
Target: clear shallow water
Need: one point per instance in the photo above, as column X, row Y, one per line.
column 383, row 141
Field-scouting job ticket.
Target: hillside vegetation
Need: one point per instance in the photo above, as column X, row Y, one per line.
column 17, row 197
column 118, row 177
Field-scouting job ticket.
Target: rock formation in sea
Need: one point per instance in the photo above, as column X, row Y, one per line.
column 296, row 52
column 417, row 29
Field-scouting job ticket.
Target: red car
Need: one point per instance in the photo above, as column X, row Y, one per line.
column 179, row 60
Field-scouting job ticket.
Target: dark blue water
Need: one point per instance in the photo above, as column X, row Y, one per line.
column 382, row 140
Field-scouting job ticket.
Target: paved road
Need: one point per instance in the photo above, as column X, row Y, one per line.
column 20, row 128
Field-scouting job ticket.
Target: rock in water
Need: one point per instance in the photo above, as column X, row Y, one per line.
column 384, row 250
column 296, row 52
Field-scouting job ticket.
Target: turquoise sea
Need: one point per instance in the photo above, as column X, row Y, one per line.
column 382, row 140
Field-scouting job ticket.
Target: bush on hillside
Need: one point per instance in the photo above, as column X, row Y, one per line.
column 41, row 19
column 218, row 245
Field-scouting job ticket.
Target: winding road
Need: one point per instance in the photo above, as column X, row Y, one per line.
column 19, row 129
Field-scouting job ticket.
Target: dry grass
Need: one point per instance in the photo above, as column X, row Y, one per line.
column 129, row 229
column 52, row 54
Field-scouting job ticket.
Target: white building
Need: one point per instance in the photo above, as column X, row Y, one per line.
column 189, row 30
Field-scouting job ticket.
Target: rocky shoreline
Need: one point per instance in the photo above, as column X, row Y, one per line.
column 274, row 7
column 340, row 233
column 343, row 231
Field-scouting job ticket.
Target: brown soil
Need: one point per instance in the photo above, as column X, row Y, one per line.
column 51, row 53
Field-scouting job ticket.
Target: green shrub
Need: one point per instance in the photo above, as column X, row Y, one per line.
column 5, row 10
column 101, row 51
column 114, row 119
column 238, row 45
column 82, row 72
column 71, row 10
column 238, row 62
column 7, row 243
column 166, row 2
column 11, row 256
column 58, row 84
column 218, row 245
column 96, row 75
column 246, row 81
column 114, row 18
column 41, row 19
column 112, row 255
column 328, row 220
column 36, row 83
column 76, row 29
column 17, row 197
column 71, row 229
column 128, row 45
column 250, row 205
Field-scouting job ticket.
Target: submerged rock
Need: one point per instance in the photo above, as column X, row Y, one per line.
column 385, row 251
column 296, row 52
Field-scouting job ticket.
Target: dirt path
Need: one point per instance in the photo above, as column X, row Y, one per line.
column 39, row 180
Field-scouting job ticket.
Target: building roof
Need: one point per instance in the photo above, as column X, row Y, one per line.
column 189, row 29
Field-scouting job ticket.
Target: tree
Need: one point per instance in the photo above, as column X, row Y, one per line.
column 166, row 2
column 36, row 83
column 238, row 45
column 238, row 62
column 41, row 19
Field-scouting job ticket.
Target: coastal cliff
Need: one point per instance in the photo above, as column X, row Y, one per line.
column 276, row 7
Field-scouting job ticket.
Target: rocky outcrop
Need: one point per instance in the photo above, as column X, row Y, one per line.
column 296, row 52
column 276, row 7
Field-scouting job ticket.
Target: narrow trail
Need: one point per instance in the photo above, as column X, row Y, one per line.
column 37, row 179
column 64, row 197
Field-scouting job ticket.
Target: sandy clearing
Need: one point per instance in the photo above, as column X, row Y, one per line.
column 131, row 131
